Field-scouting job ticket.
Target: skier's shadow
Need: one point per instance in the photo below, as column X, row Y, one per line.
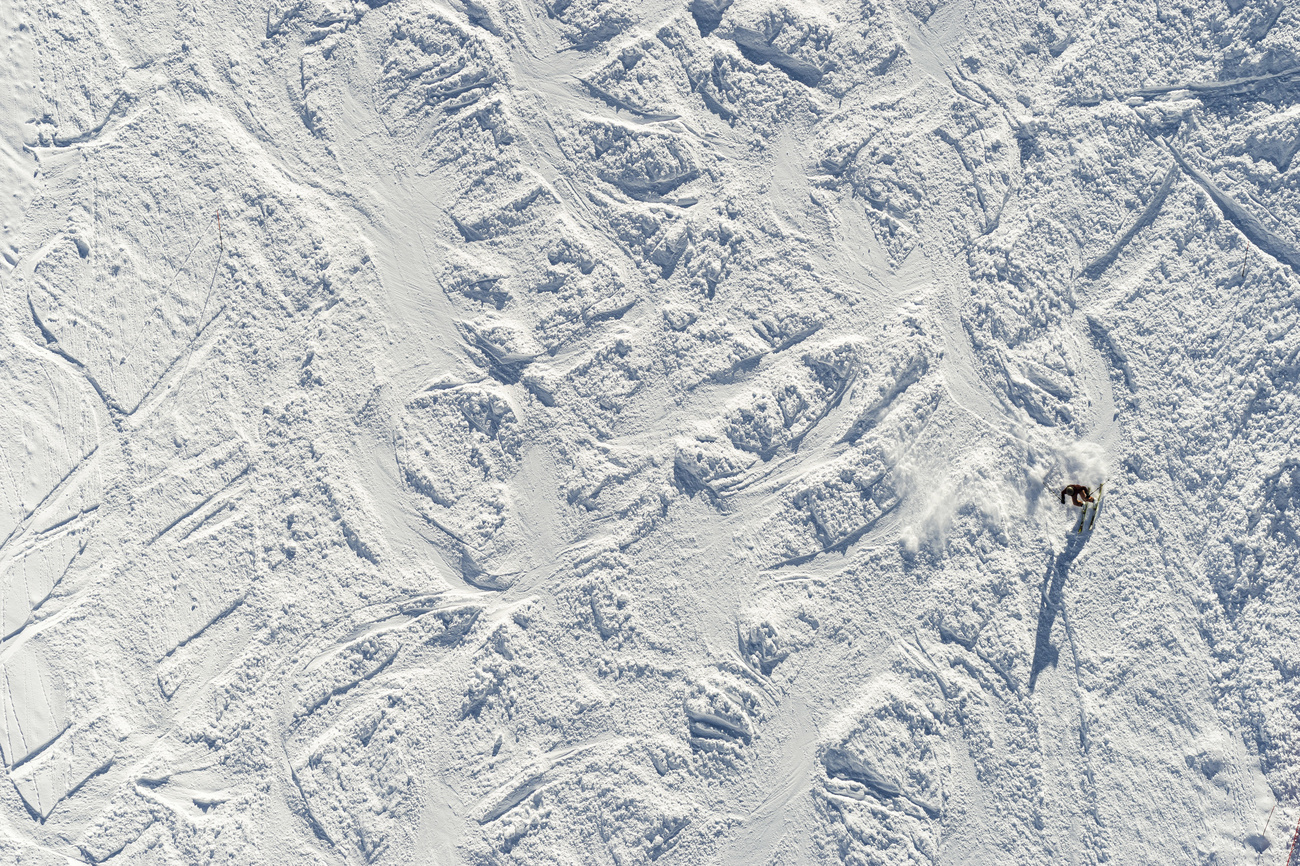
column 1053, row 592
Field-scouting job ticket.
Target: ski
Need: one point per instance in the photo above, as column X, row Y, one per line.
column 1096, row 506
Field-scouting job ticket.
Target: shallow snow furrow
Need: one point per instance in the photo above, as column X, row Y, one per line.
column 1119, row 358
column 873, row 414
column 948, row 635
column 174, row 371
column 343, row 688
column 713, row 727
column 34, row 752
column 34, row 606
column 1230, row 87
column 221, row 491
column 221, row 615
column 831, row 404
column 615, row 102
column 840, row 544
column 316, row 827
column 46, row 334
column 76, row 788
column 95, row 131
column 106, row 856
column 1249, row 224
column 952, row 141
column 513, row 798
column 1098, row 266
column 27, row 545
column 80, row 467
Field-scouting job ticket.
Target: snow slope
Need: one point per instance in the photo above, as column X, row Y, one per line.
column 500, row 431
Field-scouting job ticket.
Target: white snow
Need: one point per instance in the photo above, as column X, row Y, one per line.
column 573, row 431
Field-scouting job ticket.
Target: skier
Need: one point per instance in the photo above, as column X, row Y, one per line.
column 1078, row 494
column 1084, row 498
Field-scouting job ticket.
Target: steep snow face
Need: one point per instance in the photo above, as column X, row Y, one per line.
column 507, row 431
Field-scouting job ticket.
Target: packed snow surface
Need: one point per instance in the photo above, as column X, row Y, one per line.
column 580, row 431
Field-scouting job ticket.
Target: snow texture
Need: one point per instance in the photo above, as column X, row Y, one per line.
column 581, row 431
